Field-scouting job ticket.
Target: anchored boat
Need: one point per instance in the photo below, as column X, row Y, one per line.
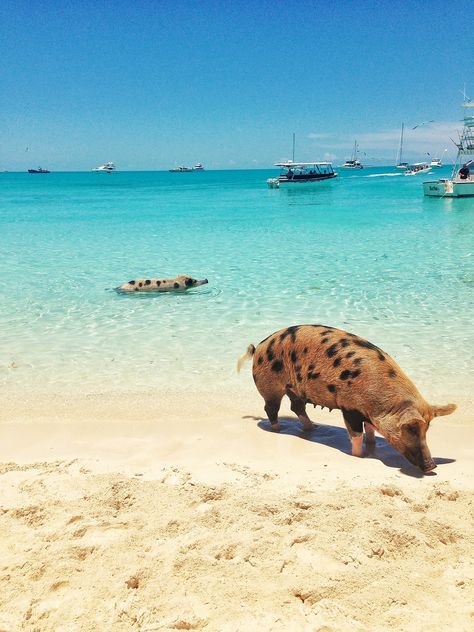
column 461, row 183
column 108, row 167
column 39, row 170
column 301, row 172
column 354, row 162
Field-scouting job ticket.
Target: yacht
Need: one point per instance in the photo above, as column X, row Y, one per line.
column 437, row 162
column 181, row 169
column 461, row 182
column 198, row 167
column 108, row 167
column 39, row 170
column 301, row 172
column 353, row 163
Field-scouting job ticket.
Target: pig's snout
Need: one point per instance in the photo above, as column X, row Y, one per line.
column 422, row 461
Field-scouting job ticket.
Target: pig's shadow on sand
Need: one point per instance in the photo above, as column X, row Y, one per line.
column 337, row 438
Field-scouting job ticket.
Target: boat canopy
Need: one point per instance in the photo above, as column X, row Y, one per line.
column 290, row 164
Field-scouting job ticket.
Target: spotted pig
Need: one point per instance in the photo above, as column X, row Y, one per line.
column 181, row 282
column 332, row 368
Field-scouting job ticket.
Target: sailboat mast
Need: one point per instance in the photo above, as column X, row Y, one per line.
column 400, row 147
column 293, row 147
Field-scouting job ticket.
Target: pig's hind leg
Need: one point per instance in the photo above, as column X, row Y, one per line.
column 298, row 406
column 272, row 406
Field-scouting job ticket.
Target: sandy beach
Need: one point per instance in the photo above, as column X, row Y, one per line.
column 183, row 512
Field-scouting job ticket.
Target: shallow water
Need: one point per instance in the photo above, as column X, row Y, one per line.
column 365, row 252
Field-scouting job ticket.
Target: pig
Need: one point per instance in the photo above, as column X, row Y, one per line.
column 332, row 368
column 181, row 282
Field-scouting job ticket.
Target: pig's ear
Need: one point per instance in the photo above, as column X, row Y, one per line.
column 411, row 425
column 440, row 411
column 409, row 419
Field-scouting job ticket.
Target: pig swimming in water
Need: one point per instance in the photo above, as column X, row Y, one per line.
column 332, row 368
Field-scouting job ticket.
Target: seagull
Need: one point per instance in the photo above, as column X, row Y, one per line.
column 420, row 124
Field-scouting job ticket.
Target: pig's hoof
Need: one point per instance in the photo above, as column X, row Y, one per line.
column 308, row 427
column 275, row 427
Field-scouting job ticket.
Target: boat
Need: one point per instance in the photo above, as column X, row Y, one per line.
column 461, row 182
column 353, row 163
column 301, row 172
column 108, row 167
column 198, row 167
column 400, row 164
column 181, row 169
column 436, row 162
column 39, row 170
column 416, row 168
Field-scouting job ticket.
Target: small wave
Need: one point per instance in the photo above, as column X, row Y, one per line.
column 161, row 294
column 382, row 175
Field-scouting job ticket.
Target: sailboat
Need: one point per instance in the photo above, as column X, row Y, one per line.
column 353, row 163
column 400, row 164
column 461, row 183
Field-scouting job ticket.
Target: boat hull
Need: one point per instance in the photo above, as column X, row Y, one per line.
column 448, row 188
column 305, row 179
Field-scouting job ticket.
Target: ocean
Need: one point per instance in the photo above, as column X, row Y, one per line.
column 366, row 252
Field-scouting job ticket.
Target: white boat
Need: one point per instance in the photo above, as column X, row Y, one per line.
column 461, row 183
column 301, row 172
column 181, row 169
column 108, row 167
column 416, row 168
column 436, row 162
column 198, row 167
column 354, row 162
column 400, row 164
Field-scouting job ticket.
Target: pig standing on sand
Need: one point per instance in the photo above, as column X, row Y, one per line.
column 329, row 367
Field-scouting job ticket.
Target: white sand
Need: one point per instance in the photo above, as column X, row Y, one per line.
column 164, row 512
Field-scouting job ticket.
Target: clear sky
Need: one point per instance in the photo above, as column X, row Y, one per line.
column 151, row 84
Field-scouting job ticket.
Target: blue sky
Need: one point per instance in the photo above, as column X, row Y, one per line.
column 150, row 85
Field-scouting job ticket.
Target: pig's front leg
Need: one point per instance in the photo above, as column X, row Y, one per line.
column 357, row 447
column 369, row 438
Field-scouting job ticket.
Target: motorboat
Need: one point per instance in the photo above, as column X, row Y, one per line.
column 461, row 182
column 181, row 169
column 354, row 162
column 416, row 168
column 108, row 167
column 198, row 167
column 436, row 162
column 301, row 172
column 399, row 163
column 39, row 170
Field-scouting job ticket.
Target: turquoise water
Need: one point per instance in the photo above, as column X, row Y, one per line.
column 365, row 252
